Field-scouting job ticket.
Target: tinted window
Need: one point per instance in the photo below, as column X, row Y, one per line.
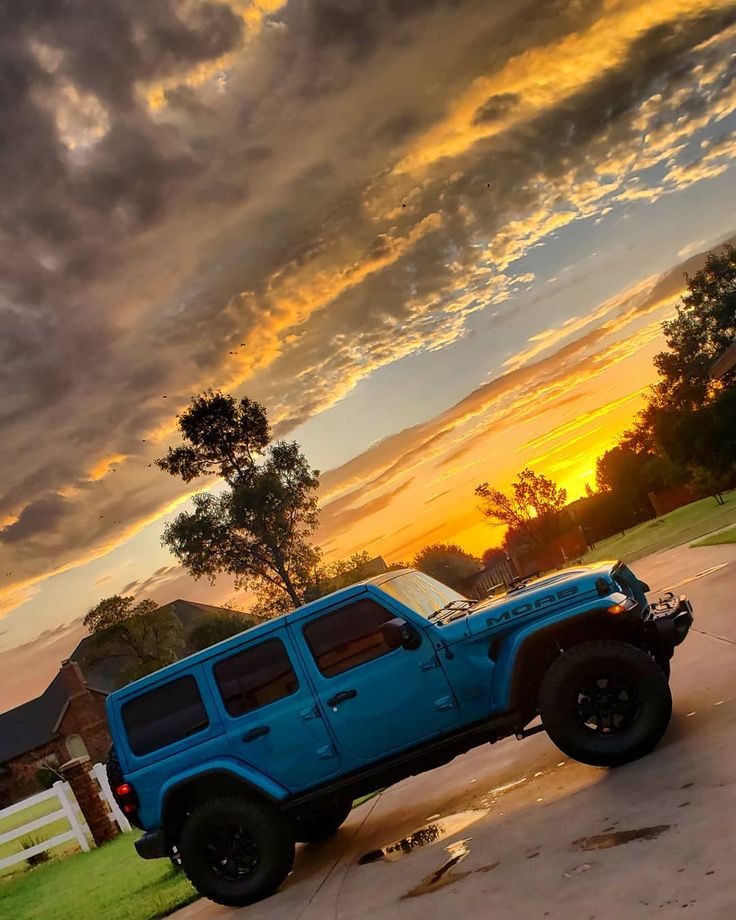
column 349, row 637
column 259, row 675
column 164, row 715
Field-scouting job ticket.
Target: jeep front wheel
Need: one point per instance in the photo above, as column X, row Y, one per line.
column 323, row 824
column 605, row 703
column 236, row 851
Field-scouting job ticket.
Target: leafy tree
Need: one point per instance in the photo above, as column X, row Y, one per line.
column 626, row 473
column 338, row 574
column 448, row 563
column 708, row 483
column 687, row 431
column 704, row 326
column 259, row 528
column 217, row 628
column 492, row 554
column 148, row 636
column 532, row 509
column 323, row 579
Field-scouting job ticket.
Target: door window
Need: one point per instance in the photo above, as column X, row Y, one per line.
column 348, row 637
column 255, row 677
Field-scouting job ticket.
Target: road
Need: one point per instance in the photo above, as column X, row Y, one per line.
column 523, row 832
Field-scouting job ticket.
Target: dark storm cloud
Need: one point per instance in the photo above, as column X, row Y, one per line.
column 258, row 210
column 103, row 50
column 496, row 106
column 39, row 517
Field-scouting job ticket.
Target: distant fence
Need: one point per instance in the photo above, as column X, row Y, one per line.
column 67, row 810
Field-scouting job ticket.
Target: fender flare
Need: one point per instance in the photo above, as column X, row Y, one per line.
column 248, row 777
column 517, row 645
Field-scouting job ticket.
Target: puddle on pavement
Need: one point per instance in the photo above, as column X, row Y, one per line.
column 428, row 833
column 617, row 838
column 444, row 875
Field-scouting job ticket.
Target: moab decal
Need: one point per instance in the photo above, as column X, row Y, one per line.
column 523, row 610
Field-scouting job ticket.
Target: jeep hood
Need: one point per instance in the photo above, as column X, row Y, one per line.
column 538, row 598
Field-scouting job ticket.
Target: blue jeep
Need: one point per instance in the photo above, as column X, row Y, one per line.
column 228, row 757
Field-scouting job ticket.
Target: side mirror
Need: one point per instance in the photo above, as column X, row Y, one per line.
column 400, row 634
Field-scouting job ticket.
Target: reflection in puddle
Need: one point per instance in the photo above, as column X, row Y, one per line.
column 444, row 875
column 617, row 838
column 429, row 833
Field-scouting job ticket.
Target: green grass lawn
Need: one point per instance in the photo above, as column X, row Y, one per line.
column 43, row 833
column 681, row 526
column 725, row 536
column 109, row 883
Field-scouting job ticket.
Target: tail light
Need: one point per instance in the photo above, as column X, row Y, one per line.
column 126, row 797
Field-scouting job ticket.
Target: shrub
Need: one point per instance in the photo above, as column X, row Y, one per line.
column 30, row 840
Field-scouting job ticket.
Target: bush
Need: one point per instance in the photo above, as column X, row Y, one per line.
column 37, row 858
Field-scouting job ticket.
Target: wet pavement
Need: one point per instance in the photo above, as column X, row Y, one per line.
column 517, row 830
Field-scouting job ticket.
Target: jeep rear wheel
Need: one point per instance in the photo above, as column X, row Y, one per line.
column 323, row 824
column 236, row 851
column 605, row 703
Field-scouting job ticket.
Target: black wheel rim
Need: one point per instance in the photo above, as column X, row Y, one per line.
column 232, row 853
column 607, row 705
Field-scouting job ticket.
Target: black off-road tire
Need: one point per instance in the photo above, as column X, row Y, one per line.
column 264, row 827
column 564, row 704
column 323, row 825
column 114, row 770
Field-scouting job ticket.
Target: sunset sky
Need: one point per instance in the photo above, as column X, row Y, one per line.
column 436, row 238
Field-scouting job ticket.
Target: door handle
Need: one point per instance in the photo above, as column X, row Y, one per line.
column 257, row 732
column 341, row 697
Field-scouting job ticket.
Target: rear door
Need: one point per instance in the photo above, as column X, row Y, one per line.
column 269, row 713
column 377, row 700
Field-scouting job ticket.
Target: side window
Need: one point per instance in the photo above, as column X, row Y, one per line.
column 162, row 716
column 348, row 637
column 259, row 675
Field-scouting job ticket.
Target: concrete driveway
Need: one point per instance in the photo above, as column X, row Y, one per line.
column 516, row 830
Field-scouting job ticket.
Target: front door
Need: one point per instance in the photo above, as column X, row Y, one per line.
column 377, row 700
column 271, row 720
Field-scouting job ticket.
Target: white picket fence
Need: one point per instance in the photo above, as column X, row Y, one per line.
column 100, row 774
column 68, row 810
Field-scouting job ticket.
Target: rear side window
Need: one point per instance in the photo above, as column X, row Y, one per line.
column 162, row 716
column 259, row 675
column 349, row 637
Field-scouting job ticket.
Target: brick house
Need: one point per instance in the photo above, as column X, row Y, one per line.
column 67, row 720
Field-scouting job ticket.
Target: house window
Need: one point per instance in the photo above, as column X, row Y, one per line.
column 76, row 747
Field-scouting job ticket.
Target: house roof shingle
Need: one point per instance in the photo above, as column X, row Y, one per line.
column 34, row 723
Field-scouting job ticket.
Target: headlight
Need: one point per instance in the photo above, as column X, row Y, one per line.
column 621, row 604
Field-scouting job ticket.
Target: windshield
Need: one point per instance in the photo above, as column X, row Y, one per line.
column 420, row 592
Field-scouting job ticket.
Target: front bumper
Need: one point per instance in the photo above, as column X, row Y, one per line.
column 672, row 622
column 152, row 845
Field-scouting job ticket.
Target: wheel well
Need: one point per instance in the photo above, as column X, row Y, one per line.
column 542, row 648
column 185, row 797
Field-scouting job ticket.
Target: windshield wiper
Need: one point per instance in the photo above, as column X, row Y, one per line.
column 463, row 604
